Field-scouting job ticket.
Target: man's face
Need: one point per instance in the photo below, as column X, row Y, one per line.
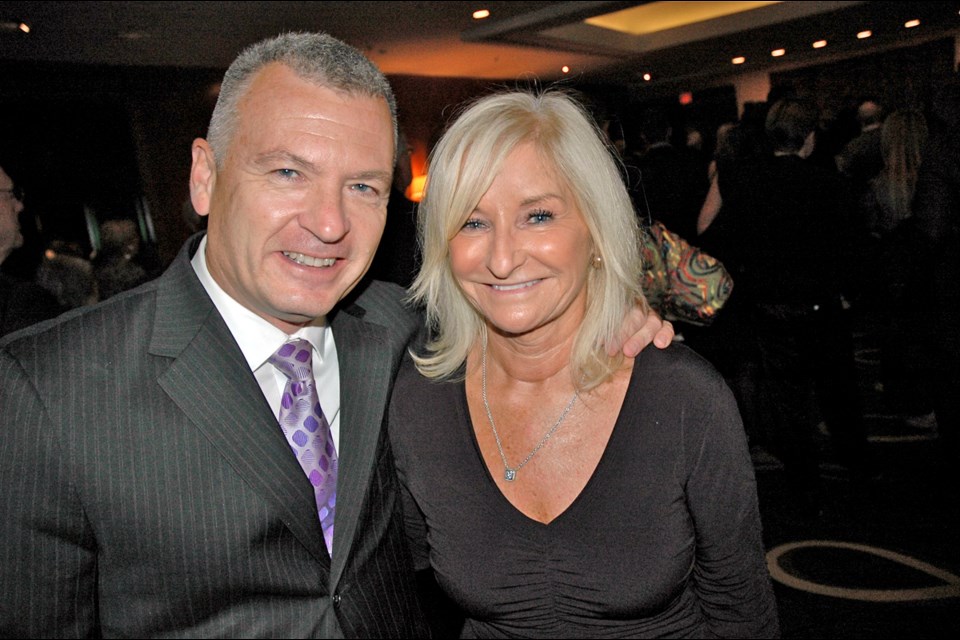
column 10, row 208
column 298, row 208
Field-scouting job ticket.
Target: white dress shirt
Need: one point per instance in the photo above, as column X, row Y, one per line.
column 258, row 340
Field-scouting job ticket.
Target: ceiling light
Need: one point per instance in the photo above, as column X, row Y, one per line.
column 480, row 14
column 739, row 60
column 647, row 77
column 652, row 17
column 776, row 53
column 565, row 69
column 819, row 44
column 909, row 24
column 864, row 34
column 14, row 25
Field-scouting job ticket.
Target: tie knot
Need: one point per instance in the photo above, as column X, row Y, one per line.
column 295, row 360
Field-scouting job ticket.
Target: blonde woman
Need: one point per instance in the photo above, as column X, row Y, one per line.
column 896, row 261
column 563, row 492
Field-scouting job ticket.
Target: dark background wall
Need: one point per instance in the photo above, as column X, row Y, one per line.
column 115, row 141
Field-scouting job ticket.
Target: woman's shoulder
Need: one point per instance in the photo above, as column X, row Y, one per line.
column 422, row 410
column 677, row 375
column 676, row 360
column 680, row 399
column 414, row 390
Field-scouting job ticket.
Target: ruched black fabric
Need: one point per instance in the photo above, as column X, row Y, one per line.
column 663, row 541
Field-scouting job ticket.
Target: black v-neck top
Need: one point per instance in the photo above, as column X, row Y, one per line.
column 664, row 540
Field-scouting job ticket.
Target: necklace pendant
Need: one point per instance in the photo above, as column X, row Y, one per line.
column 509, row 475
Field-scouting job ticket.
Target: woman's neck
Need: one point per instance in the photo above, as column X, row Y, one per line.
column 528, row 359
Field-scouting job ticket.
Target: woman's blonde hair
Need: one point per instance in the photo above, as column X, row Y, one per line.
column 462, row 167
column 901, row 141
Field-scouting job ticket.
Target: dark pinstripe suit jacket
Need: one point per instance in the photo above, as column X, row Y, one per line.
column 146, row 490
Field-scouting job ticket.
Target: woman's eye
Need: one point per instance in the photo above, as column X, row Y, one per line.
column 473, row 224
column 538, row 217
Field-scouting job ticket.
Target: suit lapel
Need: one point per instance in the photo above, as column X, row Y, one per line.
column 365, row 359
column 211, row 383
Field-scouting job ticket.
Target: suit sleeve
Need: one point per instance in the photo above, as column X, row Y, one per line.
column 731, row 578
column 48, row 556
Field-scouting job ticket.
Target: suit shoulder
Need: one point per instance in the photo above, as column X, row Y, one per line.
column 123, row 318
column 384, row 303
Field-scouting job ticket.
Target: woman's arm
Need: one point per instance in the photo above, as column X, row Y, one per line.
column 730, row 574
column 711, row 205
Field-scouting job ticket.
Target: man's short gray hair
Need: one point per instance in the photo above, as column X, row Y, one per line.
column 316, row 57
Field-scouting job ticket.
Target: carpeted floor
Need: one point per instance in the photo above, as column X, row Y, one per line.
column 882, row 560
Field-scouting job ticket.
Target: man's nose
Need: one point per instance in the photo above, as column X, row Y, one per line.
column 325, row 215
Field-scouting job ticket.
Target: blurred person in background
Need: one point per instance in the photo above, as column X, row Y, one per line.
column 22, row 303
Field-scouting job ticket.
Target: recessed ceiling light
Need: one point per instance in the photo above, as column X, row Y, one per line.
column 480, row 14
column 647, row 77
column 819, row 44
column 565, row 69
column 739, row 60
column 909, row 24
column 864, row 34
column 776, row 53
column 14, row 25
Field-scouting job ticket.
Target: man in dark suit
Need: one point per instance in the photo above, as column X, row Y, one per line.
column 672, row 181
column 148, row 488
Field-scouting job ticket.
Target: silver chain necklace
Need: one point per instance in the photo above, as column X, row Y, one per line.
column 510, row 474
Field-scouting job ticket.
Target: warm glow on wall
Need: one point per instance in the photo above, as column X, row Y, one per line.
column 415, row 190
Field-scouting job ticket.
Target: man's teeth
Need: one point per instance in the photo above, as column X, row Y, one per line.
column 514, row 287
column 309, row 261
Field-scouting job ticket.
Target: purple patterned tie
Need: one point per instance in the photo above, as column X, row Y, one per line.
column 307, row 430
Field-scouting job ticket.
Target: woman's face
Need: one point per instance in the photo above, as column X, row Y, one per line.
column 523, row 255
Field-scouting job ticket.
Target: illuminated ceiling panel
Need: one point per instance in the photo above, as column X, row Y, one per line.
column 659, row 16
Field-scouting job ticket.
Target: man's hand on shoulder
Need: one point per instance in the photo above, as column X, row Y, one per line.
column 639, row 329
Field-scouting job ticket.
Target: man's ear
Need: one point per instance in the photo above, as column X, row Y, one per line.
column 203, row 176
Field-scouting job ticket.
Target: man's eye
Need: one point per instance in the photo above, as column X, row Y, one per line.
column 363, row 188
column 288, row 174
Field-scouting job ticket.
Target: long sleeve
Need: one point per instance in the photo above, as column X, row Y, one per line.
column 730, row 576
column 48, row 557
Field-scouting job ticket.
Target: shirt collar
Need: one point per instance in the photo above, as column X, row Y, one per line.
column 257, row 338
